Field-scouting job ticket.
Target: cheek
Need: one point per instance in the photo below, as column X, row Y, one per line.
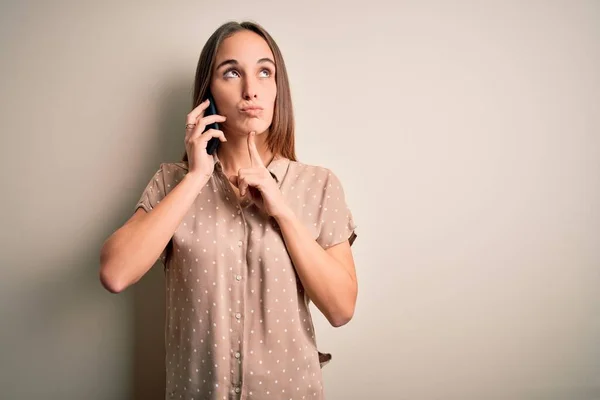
column 271, row 96
column 273, row 92
column 268, row 117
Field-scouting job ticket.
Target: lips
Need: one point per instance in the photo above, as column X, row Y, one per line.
column 252, row 111
column 251, row 108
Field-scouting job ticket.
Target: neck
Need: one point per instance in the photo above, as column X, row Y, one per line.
column 234, row 155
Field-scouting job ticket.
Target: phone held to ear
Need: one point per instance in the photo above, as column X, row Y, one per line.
column 213, row 143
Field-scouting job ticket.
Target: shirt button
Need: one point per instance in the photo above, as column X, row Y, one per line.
column 240, row 243
column 237, row 355
column 237, row 390
column 238, row 277
column 238, row 316
column 239, row 211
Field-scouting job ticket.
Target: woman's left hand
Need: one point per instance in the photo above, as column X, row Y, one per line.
column 257, row 183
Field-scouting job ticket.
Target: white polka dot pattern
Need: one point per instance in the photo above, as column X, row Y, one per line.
column 238, row 324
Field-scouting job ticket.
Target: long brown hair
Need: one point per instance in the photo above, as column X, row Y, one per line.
column 281, row 139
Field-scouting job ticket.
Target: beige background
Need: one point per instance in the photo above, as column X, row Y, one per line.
column 467, row 136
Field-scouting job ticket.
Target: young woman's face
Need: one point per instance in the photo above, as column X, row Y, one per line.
column 243, row 83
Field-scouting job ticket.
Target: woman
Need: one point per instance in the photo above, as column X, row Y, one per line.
column 248, row 236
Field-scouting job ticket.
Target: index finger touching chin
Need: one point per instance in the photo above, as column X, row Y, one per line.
column 254, row 154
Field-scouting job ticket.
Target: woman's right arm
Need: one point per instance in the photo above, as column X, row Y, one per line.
column 133, row 249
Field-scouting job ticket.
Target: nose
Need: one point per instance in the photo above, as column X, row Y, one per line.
column 250, row 89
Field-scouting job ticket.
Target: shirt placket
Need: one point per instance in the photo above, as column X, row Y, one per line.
column 239, row 245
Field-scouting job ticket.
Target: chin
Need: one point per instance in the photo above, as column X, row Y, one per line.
column 255, row 125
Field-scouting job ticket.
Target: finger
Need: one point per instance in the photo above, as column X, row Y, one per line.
column 197, row 112
column 255, row 159
column 200, row 125
column 243, row 172
column 209, row 119
column 248, row 181
column 254, row 176
column 242, row 180
column 242, row 186
column 204, row 137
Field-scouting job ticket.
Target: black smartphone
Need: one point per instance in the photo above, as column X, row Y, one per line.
column 213, row 143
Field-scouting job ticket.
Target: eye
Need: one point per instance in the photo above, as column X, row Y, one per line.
column 266, row 71
column 227, row 75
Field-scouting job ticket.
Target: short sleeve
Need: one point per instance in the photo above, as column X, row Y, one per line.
column 336, row 219
column 154, row 191
column 151, row 196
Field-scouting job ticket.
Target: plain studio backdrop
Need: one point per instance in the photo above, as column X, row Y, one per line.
column 467, row 137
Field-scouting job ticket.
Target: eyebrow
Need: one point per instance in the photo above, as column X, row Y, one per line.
column 235, row 62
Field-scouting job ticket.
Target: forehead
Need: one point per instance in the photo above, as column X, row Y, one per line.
column 245, row 47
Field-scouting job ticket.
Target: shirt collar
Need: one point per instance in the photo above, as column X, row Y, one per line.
column 277, row 167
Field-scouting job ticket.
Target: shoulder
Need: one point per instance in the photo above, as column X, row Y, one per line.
column 170, row 173
column 174, row 166
column 313, row 170
column 317, row 174
column 177, row 168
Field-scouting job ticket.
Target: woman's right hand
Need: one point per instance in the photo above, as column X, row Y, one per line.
column 196, row 141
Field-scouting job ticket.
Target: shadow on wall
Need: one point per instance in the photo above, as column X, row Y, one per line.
column 149, row 293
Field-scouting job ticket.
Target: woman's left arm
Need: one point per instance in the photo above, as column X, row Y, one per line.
column 327, row 275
